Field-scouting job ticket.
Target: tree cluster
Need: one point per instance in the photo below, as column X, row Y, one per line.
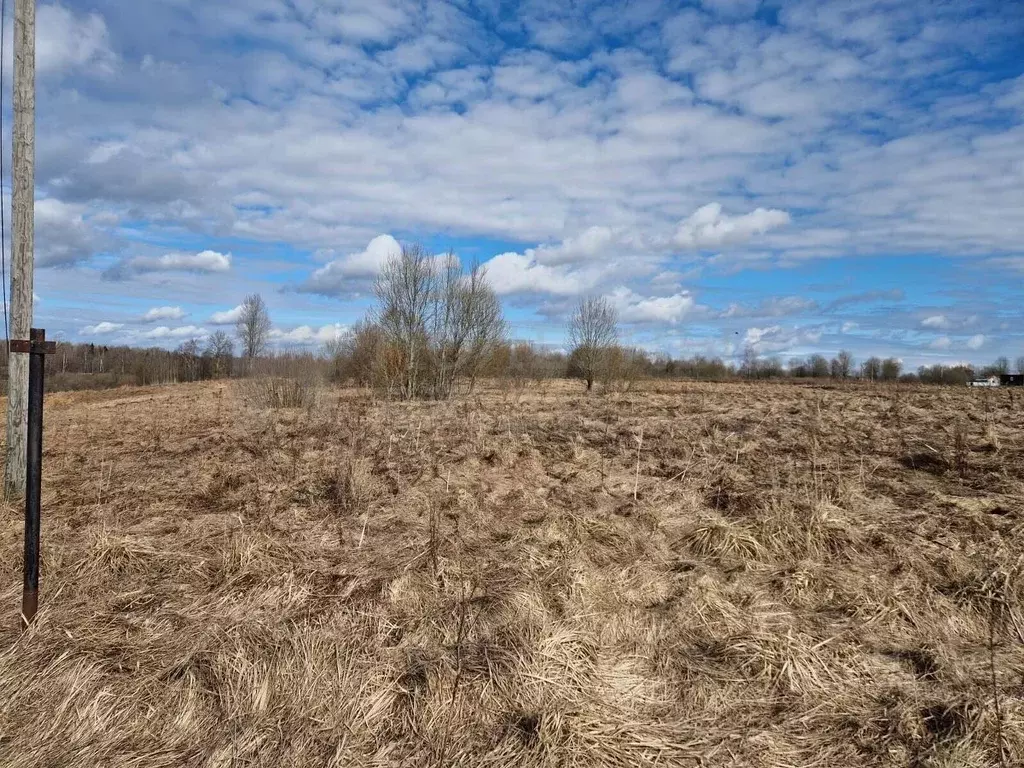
column 434, row 327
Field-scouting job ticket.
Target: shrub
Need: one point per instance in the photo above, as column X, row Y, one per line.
column 276, row 392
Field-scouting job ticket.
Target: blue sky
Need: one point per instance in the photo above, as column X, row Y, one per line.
column 800, row 177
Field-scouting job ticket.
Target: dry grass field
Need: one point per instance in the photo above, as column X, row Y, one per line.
column 690, row 575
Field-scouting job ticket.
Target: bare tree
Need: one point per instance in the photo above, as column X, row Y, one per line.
column 817, row 366
column 221, row 350
column 404, row 291
column 844, row 364
column 592, row 334
column 253, row 327
column 359, row 356
column 188, row 360
column 468, row 325
column 872, row 369
column 1019, row 365
column 750, row 366
column 891, row 369
column 437, row 325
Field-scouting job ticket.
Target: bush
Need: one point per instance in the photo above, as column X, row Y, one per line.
column 276, row 392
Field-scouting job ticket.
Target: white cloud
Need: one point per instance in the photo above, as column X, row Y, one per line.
column 163, row 313
column 227, row 317
column 101, row 329
column 202, row 262
column 511, row 273
column 337, row 276
column 64, row 235
column 306, row 335
column 774, row 339
column 976, row 342
column 593, row 242
column 633, row 308
column 850, row 326
column 942, row 342
column 67, row 41
column 936, row 321
column 755, row 336
column 182, row 332
column 773, row 307
column 709, row 227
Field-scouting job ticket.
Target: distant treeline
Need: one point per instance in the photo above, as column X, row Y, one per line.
column 95, row 366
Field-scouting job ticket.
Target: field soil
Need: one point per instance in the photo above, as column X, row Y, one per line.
column 688, row 575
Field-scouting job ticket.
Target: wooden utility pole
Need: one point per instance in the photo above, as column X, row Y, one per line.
column 23, row 239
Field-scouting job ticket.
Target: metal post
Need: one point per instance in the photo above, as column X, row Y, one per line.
column 37, row 348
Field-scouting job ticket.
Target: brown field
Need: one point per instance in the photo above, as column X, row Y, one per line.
column 697, row 574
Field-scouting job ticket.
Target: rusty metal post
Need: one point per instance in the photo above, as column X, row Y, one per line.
column 37, row 348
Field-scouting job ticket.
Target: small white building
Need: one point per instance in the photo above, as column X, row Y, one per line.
column 990, row 381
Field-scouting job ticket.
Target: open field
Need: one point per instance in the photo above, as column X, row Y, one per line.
column 700, row 574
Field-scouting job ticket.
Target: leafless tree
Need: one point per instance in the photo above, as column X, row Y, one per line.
column 844, row 364
column 404, row 289
column 593, row 331
column 891, row 369
column 467, row 324
column 1020, row 364
column 188, row 360
column 817, row 366
column 872, row 369
column 253, row 327
column 359, row 356
column 437, row 324
column 623, row 367
column 221, row 350
column 750, row 366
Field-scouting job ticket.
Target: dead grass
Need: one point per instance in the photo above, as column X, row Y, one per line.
column 775, row 575
column 279, row 392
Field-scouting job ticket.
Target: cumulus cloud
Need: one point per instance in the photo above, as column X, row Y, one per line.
column 202, row 262
column 227, row 317
column 338, row 276
column 163, row 313
column 755, row 336
column 101, row 329
column 64, row 236
column 709, row 227
column 634, row 308
column 774, row 339
column 936, row 321
column 850, row 326
column 591, row 243
column 181, row 332
column 306, row 335
column 511, row 273
column 69, row 41
column 976, row 342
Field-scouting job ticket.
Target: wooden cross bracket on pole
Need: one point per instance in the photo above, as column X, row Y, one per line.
column 37, row 344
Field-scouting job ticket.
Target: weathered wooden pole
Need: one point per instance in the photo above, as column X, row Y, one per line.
column 23, row 240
